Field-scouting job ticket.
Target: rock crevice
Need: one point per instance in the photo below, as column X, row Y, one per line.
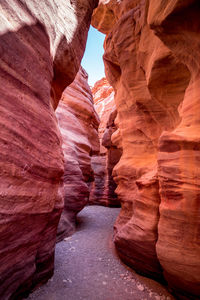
column 78, row 122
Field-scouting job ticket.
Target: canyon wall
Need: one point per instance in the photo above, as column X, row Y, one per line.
column 151, row 60
column 78, row 123
column 103, row 188
column 41, row 46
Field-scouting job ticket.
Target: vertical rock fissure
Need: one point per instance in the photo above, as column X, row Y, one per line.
column 148, row 135
column 89, row 154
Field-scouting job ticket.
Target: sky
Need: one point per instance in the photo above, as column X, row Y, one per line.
column 92, row 60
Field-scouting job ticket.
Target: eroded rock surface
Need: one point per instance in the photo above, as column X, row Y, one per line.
column 151, row 59
column 177, row 24
column 41, row 45
column 78, row 122
column 103, row 188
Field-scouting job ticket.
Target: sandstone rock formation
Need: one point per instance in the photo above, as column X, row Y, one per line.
column 103, row 96
column 151, row 59
column 103, row 188
column 78, row 122
column 177, row 24
column 41, row 46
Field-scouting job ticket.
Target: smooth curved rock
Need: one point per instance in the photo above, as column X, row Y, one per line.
column 78, row 123
column 103, row 188
column 41, row 45
column 177, row 24
column 103, row 96
column 106, row 15
column 113, row 155
column 151, row 60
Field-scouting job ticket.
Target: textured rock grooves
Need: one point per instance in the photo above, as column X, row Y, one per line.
column 41, row 46
column 78, row 122
column 103, row 188
column 152, row 62
column 87, row 170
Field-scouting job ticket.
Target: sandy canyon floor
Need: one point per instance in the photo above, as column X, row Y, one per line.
column 87, row 267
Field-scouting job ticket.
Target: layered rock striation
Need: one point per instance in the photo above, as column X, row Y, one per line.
column 78, row 123
column 151, row 60
column 103, row 188
column 177, row 24
column 41, row 46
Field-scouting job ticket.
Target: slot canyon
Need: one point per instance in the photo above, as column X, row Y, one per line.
column 105, row 175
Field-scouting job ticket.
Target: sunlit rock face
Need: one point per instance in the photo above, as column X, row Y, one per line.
column 103, row 188
column 177, row 24
column 103, row 95
column 78, row 123
column 41, row 45
column 151, row 59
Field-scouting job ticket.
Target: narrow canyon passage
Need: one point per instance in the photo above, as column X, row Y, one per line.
column 86, row 266
column 72, row 135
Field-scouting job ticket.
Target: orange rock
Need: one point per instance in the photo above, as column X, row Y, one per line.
column 105, row 16
column 103, row 96
column 151, row 60
column 38, row 44
column 103, row 188
column 78, row 122
column 177, row 24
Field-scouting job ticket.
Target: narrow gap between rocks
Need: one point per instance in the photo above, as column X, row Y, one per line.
column 86, row 263
column 87, row 267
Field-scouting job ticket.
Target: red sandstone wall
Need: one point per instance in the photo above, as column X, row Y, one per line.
column 151, row 59
column 78, row 123
column 41, row 46
column 103, row 188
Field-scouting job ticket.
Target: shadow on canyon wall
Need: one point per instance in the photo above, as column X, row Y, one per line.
column 31, row 161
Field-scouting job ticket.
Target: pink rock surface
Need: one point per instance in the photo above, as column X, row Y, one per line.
column 178, row 158
column 151, row 59
column 41, row 45
column 103, row 95
column 78, row 123
column 103, row 188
